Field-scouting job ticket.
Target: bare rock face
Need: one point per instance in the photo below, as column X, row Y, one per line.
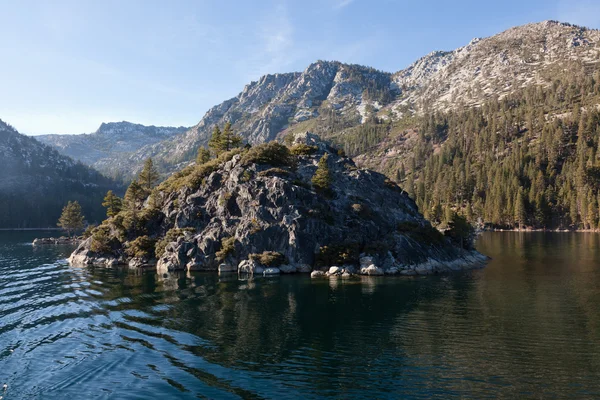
column 262, row 202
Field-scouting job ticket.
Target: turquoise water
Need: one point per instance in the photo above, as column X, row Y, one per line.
column 527, row 326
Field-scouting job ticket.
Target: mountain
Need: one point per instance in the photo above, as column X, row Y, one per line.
column 111, row 140
column 336, row 100
column 36, row 182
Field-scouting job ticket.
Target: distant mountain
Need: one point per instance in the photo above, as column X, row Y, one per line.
column 36, row 182
column 110, row 141
column 338, row 100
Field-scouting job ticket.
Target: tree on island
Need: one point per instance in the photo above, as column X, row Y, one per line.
column 149, row 176
column 215, row 142
column 230, row 140
column 135, row 196
column 113, row 204
column 203, row 156
column 71, row 218
column 322, row 178
column 224, row 141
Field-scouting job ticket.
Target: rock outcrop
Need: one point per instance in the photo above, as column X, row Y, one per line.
column 260, row 211
column 63, row 240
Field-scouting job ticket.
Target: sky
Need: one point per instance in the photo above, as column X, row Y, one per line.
column 69, row 65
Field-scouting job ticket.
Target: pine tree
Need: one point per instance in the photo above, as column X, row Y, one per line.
column 519, row 209
column 113, row 204
column 229, row 139
column 71, row 218
column 203, row 156
column 149, row 176
column 134, row 196
column 321, row 180
column 216, row 141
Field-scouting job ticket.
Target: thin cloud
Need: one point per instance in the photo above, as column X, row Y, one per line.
column 339, row 4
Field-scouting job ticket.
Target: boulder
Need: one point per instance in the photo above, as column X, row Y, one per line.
column 317, row 274
column 287, row 269
column 226, row 268
column 271, row 271
column 335, row 271
column 372, row 270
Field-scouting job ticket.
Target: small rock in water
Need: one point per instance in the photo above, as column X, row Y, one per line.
column 272, row 271
column 317, row 274
column 335, row 270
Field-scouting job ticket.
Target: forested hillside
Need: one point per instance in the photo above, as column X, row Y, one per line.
column 36, row 182
column 531, row 159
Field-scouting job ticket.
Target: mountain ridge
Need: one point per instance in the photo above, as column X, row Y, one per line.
column 335, row 99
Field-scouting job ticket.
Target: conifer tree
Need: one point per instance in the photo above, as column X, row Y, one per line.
column 134, row 196
column 149, row 176
column 216, row 141
column 321, row 180
column 71, row 218
column 519, row 209
column 229, row 139
column 203, row 156
column 113, row 204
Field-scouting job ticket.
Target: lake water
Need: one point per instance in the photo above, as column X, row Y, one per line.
column 527, row 326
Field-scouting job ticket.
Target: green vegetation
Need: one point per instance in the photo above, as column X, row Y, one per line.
column 101, row 240
column 301, row 149
column 274, row 172
column 322, row 178
column 71, row 218
column 203, row 156
column 227, row 248
column 141, row 247
column 271, row 153
column 148, row 177
column 194, row 176
column 268, row 258
column 530, row 159
column 224, row 141
column 113, row 204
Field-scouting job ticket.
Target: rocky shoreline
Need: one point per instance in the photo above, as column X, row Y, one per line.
column 63, row 240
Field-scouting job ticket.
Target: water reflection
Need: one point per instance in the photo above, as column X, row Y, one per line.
column 526, row 326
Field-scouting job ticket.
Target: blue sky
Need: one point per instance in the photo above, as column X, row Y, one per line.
column 68, row 65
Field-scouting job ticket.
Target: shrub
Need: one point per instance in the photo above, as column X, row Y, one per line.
column 274, row 172
column 88, row 231
column 194, row 176
column 302, row 149
column 170, row 236
column 255, row 226
column 224, row 198
column 141, row 247
column 101, row 240
column 227, row 248
column 271, row 153
column 246, row 176
column 268, row 258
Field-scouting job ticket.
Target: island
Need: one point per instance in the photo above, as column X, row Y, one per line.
column 276, row 208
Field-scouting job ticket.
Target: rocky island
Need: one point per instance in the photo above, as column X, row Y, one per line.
column 272, row 209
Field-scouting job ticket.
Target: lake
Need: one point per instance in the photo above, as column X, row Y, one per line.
column 527, row 326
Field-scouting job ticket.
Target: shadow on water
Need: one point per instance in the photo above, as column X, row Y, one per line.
column 526, row 326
